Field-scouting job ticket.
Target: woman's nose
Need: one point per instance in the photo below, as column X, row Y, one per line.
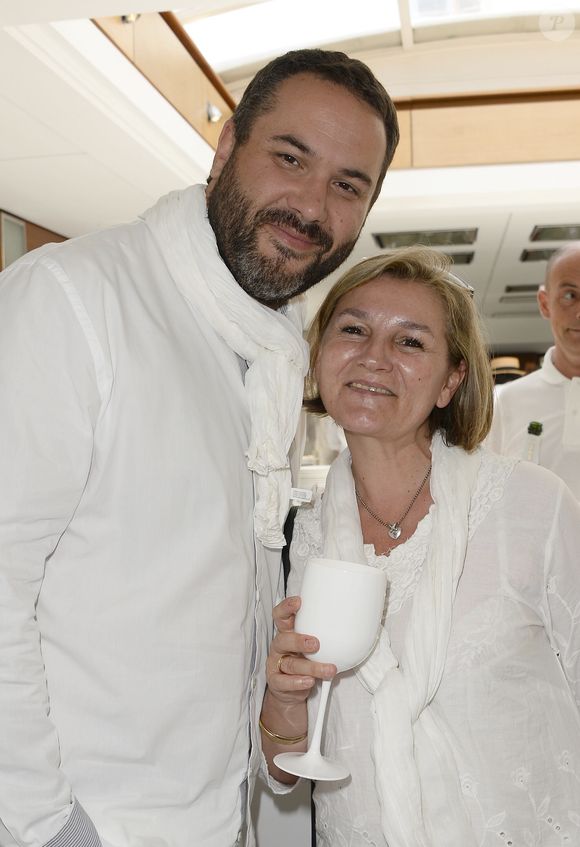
column 377, row 355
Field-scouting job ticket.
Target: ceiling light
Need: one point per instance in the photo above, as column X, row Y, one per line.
column 214, row 115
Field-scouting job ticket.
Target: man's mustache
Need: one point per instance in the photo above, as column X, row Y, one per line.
column 285, row 217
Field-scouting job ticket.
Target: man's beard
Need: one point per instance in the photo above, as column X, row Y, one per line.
column 236, row 230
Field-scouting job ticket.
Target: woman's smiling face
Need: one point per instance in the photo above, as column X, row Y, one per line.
column 384, row 363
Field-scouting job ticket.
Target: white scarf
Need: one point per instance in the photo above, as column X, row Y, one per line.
column 430, row 811
column 269, row 341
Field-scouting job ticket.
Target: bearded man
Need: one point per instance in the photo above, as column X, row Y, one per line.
column 151, row 381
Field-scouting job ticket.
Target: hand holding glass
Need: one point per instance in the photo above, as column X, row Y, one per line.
column 342, row 605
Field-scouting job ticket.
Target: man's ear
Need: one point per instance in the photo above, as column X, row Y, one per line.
column 224, row 149
column 543, row 303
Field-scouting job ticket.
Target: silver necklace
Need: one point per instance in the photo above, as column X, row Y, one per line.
column 394, row 529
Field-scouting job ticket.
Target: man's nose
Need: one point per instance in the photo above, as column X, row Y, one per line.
column 309, row 199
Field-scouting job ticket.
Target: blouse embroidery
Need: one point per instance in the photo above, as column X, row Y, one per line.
column 516, row 604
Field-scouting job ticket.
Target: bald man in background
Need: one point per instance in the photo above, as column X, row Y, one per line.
column 550, row 395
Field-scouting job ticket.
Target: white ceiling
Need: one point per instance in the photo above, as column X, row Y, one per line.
column 82, row 148
column 87, row 142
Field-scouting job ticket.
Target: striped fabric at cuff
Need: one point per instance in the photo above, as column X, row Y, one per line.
column 79, row 831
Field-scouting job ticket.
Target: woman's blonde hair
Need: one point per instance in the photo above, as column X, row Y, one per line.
column 466, row 420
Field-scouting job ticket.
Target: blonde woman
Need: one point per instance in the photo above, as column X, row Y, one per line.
column 462, row 728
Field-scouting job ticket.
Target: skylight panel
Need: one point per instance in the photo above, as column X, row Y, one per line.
column 425, row 12
column 263, row 30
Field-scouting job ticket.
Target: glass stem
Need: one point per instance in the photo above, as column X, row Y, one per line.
column 317, row 734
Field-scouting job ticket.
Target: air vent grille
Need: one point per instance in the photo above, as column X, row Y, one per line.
column 521, row 289
column 536, row 255
column 465, row 258
column 431, row 237
column 518, row 298
column 510, row 315
column 556, row 232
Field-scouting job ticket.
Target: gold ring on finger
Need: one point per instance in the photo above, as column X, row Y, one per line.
column 279, row 665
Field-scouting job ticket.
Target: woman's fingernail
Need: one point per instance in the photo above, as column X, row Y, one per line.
column 311, row 643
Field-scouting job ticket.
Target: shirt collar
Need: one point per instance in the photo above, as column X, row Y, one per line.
column 550, row 372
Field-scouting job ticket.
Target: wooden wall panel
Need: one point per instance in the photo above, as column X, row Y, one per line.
column 481, row 129
column 403, row 155
column 154, row 49
column 122, row 35
column 163, row 61
column 496, row 133
column 212, row 131
column 36, row 236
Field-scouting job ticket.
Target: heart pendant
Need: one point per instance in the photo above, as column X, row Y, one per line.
column 394, row 531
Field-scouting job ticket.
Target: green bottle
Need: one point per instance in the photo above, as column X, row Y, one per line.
column 532, row 453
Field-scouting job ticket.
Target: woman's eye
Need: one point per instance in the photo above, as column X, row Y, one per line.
column 352, row 329
column 412, row 342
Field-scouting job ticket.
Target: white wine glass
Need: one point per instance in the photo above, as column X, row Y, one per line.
column 342, row 605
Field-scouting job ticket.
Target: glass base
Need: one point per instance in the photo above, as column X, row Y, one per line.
column 311, row 766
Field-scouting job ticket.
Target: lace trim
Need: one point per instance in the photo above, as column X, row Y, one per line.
column 493, row 475
column 307, row 535
column 404, row 563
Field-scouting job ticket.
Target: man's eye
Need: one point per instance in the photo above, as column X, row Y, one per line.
column 569, row 296
column 288, row 158
column 347, row 187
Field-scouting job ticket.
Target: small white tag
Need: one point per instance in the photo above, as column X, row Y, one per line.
column 301, row 495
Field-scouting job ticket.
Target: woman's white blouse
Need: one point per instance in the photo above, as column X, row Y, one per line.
column 511, row 688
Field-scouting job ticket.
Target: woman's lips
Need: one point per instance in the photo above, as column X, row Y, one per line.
column 372, row 389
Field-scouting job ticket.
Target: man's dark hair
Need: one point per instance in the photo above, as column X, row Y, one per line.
column 260, row 95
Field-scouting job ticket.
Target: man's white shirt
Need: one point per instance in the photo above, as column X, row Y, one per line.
column 550, row 398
